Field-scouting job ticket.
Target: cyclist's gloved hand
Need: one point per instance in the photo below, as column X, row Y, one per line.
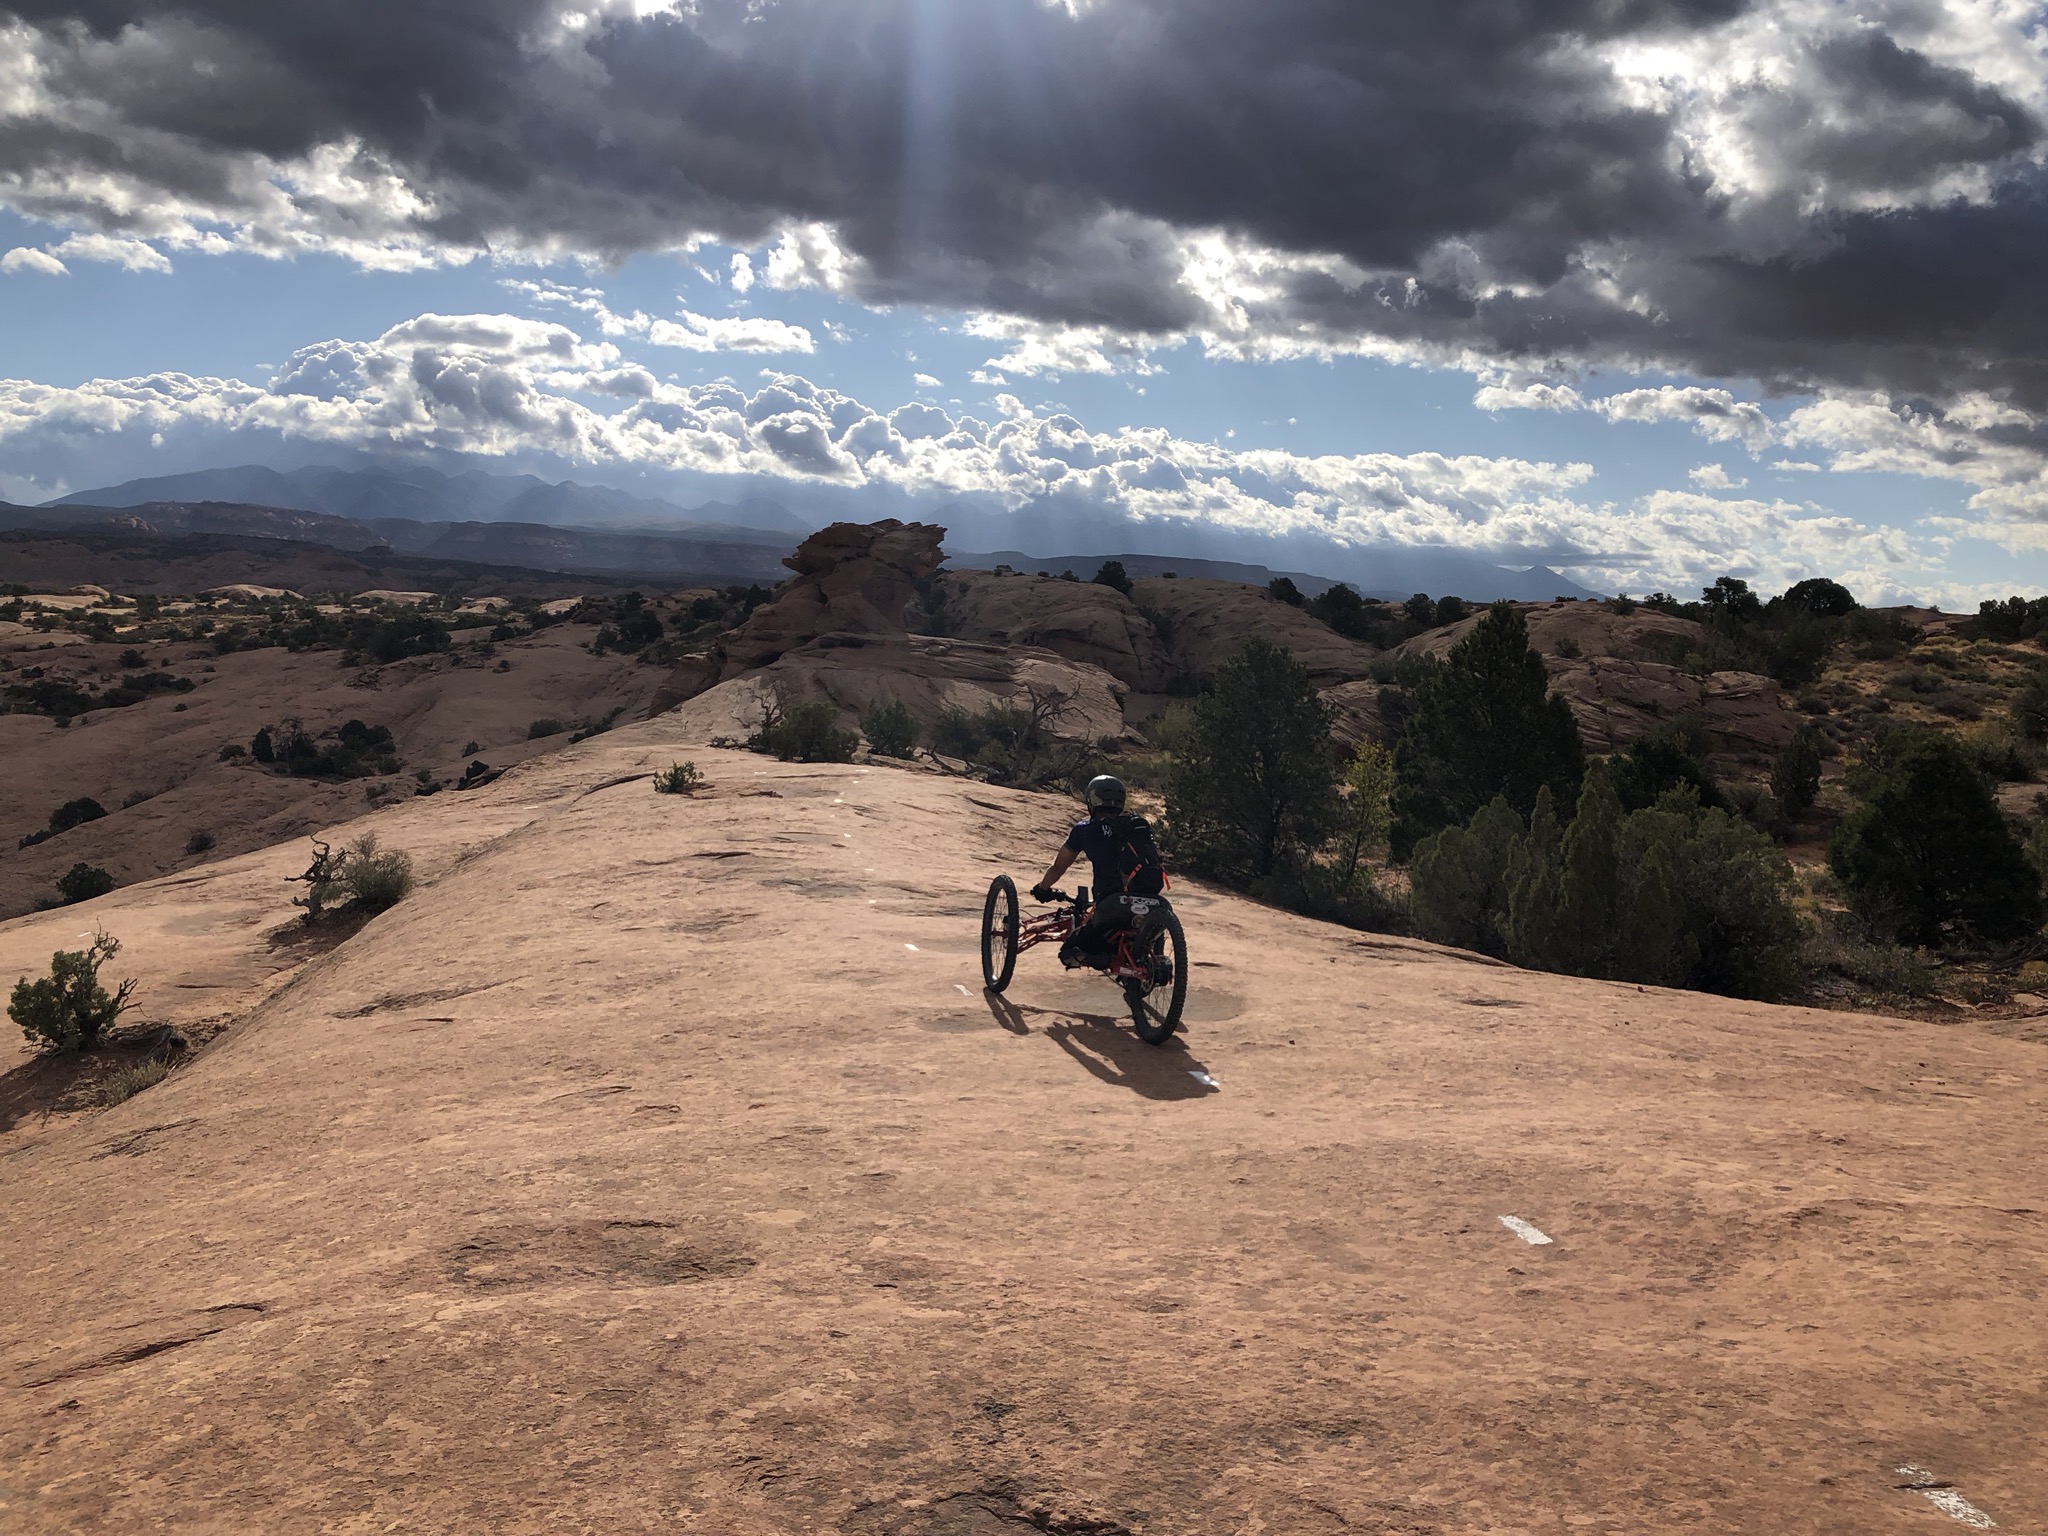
column 1044, row 893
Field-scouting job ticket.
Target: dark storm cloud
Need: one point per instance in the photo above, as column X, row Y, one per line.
column 1491, row 184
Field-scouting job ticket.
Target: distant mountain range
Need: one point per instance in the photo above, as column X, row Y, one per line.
column 688, row 553
column 526, row 521
column 429, row 496
column 1392, row 574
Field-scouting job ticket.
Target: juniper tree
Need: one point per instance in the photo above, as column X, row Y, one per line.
column 1484, row 723
column 1795, row 776
column 1928, row 856
column 1253, row 787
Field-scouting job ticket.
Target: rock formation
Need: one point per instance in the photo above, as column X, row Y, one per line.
column 851, row 579
column 838, row 632
column 1614, row 670
column 1078, row 619
column 1205, row 621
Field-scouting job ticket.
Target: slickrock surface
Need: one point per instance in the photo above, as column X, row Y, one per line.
column 1077, row 619
column 660, row 1166
column 167, row 749
column 929, row 675
column 1211, row 619
column 838, row 632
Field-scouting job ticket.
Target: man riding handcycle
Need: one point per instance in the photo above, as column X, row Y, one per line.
column 1128, row 932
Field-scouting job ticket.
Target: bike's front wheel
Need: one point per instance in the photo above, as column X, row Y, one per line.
column 1156, row 1006
column 999, row 933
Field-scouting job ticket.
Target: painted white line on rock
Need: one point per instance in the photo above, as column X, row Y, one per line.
column 961, row 990
column 1946, row 1499
column 1205, row 1079
column 1524, row 1230
column 911, row 947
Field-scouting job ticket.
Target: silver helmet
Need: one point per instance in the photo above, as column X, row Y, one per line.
column 1105, row 792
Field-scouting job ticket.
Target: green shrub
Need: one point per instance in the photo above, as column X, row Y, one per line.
column 121, row 1086
column 1816, row 597
column 201, row 841
column 83, row 882
column 2014, row 619
column 69, row 1010
column 1458, row 881
column 2030, row 709
column 76, row 813
column 1675, row 895
column 1928, row 858
column 1367, row 812
column 374, row 879
column 2003, row 754
column 1708, row 900
column 358, row 750
column 1112, row 575
column 890, row 728
column 599, row 726
column 545, row 726
column 1672, row 756
column 1840, row 947
column 72, row 813
column 678, row 779
column 1795, row 776
column 394, row 639
column 1013, row 744
column 807, row 732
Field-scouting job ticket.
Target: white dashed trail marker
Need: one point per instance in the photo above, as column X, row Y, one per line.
column 1945, row 1498
column 1524, row 1230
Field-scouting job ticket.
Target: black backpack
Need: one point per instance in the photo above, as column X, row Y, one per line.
column 1143, row 874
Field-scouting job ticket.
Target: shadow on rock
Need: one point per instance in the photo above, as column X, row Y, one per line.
column 1109, row 1052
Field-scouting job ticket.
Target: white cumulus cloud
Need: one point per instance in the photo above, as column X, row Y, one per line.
column 521, row 389
column 25, row 258
column 1716, row 414
column 135, row 255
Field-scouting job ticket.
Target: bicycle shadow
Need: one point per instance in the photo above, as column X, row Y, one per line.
column 1108, row 1051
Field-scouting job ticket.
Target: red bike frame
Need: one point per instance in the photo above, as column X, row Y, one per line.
column 1059, row 925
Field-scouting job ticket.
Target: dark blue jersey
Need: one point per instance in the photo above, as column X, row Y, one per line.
column 1119, row 847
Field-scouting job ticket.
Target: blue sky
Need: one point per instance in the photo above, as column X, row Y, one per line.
column 1243, row 368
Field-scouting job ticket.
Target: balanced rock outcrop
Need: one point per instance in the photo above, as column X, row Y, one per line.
column 839, row 632
column 851, row 579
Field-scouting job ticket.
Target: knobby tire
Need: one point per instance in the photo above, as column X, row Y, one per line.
column 999, row 934
column 1155, row 1025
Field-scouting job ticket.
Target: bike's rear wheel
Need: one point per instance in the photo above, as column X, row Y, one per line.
column 999, row 934
column 1155, row 1008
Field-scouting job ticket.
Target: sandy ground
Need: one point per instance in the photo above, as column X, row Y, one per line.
column 659, row 1166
